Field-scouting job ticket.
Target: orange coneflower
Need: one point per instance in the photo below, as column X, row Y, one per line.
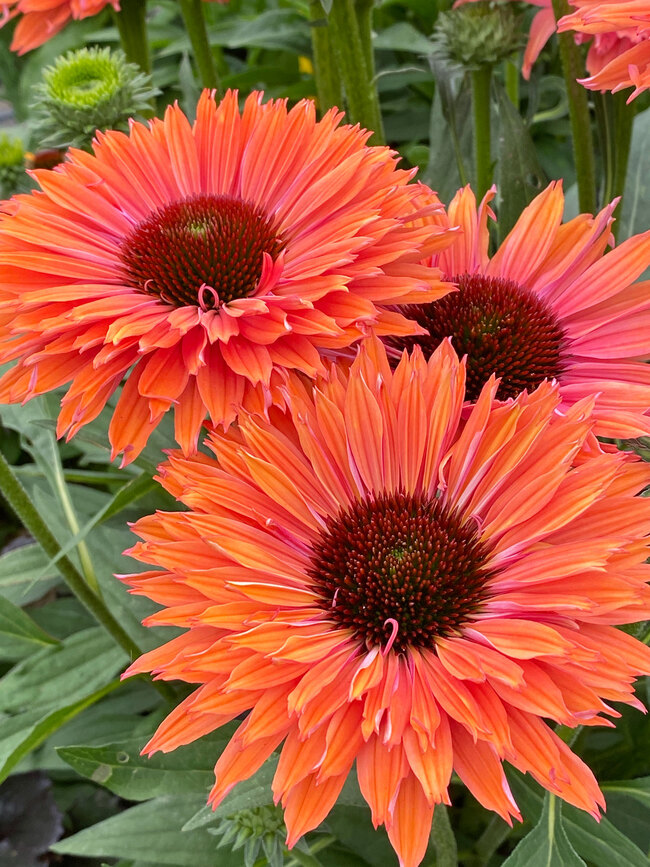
column 624, row 31
column 42, row 19
column 547, row 304
column 208, row 258
column 378, row 581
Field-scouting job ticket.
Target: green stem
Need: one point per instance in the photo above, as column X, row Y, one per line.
column 481, row 80
column 583, row 147
column 357, row 75
column 363, row 9
column 71, row 517
column 328, row 81
column 494, row 835
column 305, row 859
column 132, row 26
column 192, row 11
column 623, row 126
column 443, row 839
column 19, row 501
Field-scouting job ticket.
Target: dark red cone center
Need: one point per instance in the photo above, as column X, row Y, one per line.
column 204, row 251
column 399, row 570
column 503, row 329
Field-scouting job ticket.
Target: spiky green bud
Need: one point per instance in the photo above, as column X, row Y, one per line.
column 12, row 165
column 260, row 829
column 478, row 34
column 87, row 90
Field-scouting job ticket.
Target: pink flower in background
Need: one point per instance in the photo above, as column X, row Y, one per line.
column 43, row 19
column 620, row 56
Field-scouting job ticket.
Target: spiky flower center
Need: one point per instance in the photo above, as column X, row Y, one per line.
column 502, row 328
column 205, row 250
column 400, row 570
column 85, row 78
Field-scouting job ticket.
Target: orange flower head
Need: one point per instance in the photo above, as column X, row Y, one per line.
column 549, row 304
column 621, row 32
column 203, row 261
column 42, row 19
column 380, row 578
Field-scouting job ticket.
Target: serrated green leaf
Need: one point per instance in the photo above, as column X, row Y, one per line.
column 120, row 767
column 149, row 832
column 22, row 577
column 547, row 845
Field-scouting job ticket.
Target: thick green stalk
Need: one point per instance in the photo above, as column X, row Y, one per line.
column 326, row 75
column 583, row 146
column 363, row 9
column 481, row 80
column 358, row 78
column 19, row 501
column 132, row 26
column 195, row 25
column 443, row 839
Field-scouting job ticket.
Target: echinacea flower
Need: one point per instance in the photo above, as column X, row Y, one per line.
column 608, row 48
column 206, row 259
column 42, row 19
column 629, row 23
column 550, row 303
column 379, row 581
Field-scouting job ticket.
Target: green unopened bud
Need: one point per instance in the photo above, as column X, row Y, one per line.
column 478, row 34
column 12, row 165
column 260, row 829
column 87, row 90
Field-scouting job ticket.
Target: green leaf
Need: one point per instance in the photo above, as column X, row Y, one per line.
column 403, row 37
column 450, row 132
column 58, row 676
column 22, row 576
column 19, row 634
column 149, row 832
column 132, row 491
column 353, row 827
column 251, row 793
column 638, row 789
column 600, row 843
column 23, row 733
column 519, row 175
column 547, row 845
column 636, row 201
column 120, row 767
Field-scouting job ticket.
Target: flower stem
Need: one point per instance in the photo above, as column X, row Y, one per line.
column 192, row 11
column 352, row 53
column 583, row 147
column 326, row 75
column 132, row 26
column 20, row 502
column 481, row 80
column 82, row 549
column 443, row 839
